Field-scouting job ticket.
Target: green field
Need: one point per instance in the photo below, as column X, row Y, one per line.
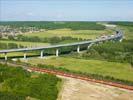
column 25, row 44
column 118, row 70
column 84, row 34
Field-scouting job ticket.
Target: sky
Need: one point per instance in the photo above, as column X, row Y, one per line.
column 66, row 10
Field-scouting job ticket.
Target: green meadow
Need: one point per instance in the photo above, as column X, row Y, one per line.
column 25, row 44
column 84, row 34
column 118, row 70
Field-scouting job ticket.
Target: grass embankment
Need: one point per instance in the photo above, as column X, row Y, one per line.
column 84, row 34
column 122, row 71
column 18, row 84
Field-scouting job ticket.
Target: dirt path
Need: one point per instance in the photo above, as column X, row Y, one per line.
column 75, row 89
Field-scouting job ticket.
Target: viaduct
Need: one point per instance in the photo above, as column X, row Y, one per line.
column 117, row 37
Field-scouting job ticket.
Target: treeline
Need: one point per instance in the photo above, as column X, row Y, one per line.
column 10, row 45
column 122, row 23
column 18, row 84
column 90, row 75
column 52, row 40
column 116, row 52
column 55, row 25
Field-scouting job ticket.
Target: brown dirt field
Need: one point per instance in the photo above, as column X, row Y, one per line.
column 75, row 89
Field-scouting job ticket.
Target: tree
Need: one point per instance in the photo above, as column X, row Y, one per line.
column 10, row 37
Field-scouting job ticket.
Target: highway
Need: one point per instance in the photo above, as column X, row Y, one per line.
column 117, row 36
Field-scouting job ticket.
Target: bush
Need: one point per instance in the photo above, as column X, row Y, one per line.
column 12, row 45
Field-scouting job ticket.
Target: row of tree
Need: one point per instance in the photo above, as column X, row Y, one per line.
column 55, row 25
column 10, row 45
column 122, row 23
column 52, row 40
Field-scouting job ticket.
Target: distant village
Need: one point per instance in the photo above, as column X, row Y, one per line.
column 6, row 31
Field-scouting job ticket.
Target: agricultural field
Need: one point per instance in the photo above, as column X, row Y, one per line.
column 84, row 34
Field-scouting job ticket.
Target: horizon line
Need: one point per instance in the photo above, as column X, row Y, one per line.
column 65, row 21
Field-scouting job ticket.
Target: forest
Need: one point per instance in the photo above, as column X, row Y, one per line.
column 55, row 25
column 18, row 84
column 122, row 23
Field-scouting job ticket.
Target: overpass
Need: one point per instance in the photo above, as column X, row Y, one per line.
column 118, row 36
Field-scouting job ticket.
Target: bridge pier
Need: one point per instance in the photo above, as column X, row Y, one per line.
column 90, row 45
column 100, row 42
column 96, row 43
column 120, row 40
column 41, row 55
column 5, row 56
column 78, row 49
column 24, row 55
column 57, row 52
